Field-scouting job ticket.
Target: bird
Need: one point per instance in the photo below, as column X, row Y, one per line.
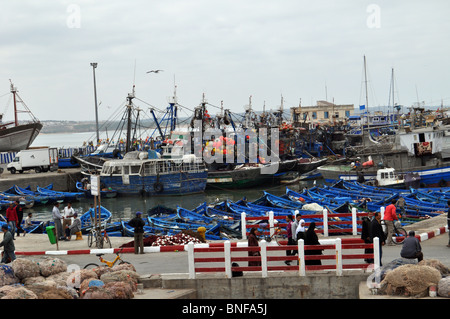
column 154, row 71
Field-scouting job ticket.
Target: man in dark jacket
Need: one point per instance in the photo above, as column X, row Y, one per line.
column 376, row 230
column 411, row 247
column 138, row 224
column 8, row 243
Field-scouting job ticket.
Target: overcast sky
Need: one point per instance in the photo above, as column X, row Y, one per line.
column 229, row 50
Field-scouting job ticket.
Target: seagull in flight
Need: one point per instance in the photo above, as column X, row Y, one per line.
column 154, row 71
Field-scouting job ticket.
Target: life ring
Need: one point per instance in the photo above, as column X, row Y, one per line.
column 158, row 187
column 442, row 183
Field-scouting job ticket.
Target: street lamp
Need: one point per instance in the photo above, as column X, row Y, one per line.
column 94, row 66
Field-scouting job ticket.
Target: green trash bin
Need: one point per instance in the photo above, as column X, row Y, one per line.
column 51, row 234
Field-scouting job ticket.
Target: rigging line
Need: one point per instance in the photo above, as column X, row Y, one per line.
column 152, row 106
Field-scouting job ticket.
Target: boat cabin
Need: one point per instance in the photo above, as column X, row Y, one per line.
column 152, row 167
column 388, row 177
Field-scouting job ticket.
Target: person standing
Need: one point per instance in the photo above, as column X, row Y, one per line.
column 57, row 218
column 411, row 247
column 401, row 206
column 8, row 243
column 68, row 210
column 290, row 240
column 300, row 231
column 138, row 224
column 365, row 235
column 390, row 217
column 376, row 230
column 253, row 242
column 311, row 238
column 19, row 212
column 294, row 226
column 11, row 217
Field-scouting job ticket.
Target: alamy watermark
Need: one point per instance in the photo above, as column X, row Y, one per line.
column 239, row 146
column 374, row 19
column 73, row 20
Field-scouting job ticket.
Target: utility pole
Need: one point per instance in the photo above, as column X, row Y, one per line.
column 94, row 66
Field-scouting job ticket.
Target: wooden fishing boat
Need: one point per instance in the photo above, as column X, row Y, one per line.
column 104, row 193
column 89, row 217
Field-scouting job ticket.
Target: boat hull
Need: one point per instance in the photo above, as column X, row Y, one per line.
column 166, row 184
column 19, row 137
column 429, row 177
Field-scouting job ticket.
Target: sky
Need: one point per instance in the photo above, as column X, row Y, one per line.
column 229, row 51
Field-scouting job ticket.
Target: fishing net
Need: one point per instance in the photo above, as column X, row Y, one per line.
column 60, row 278
column 126, row 276
column 33, row 280
column 91, row 282
column 25, row 268
column 120, row 290
column 178, row 239
column 51, row 290
column 124, row 266
column 444, row 270
column 6, row 289
column 51, row 266
column 395, row 264
column 101, row 270
column 444, row 287
column 313, row 207
column 76, row 278
column 7, row 276
column 410, row 280
column 96, row 293
column 19, row 293
column 182, row 238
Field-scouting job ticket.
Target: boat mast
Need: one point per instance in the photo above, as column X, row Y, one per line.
column 129, row 109
column 14, row 91
column 367, row 99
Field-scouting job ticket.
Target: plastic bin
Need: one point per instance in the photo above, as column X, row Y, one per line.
column 51, row 234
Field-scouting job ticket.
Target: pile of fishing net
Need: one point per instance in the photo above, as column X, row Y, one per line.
column 178, row 239
column 444, row 287
column 182, row 238
column 52, row 279
column 7, row 276
column 410, row 280
column 119, row 284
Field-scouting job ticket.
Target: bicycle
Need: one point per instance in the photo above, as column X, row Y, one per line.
column 100, row 237
column 110, row 264
column 277, row 234
column 400, row 233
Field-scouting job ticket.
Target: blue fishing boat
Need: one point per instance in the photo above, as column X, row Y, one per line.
column 137, row 175
column 88, row 218
column 104, row 193
column 28, row 193
column 66, row 196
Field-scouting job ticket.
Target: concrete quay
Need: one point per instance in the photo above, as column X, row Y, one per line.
column 63, row 180
column 164, row 275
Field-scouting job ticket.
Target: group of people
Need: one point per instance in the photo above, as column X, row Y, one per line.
column 296, row 230
column 66, row 222
column 13, row 225
column 371, row 228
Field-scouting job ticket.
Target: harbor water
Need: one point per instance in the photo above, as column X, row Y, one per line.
column 125, row 208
